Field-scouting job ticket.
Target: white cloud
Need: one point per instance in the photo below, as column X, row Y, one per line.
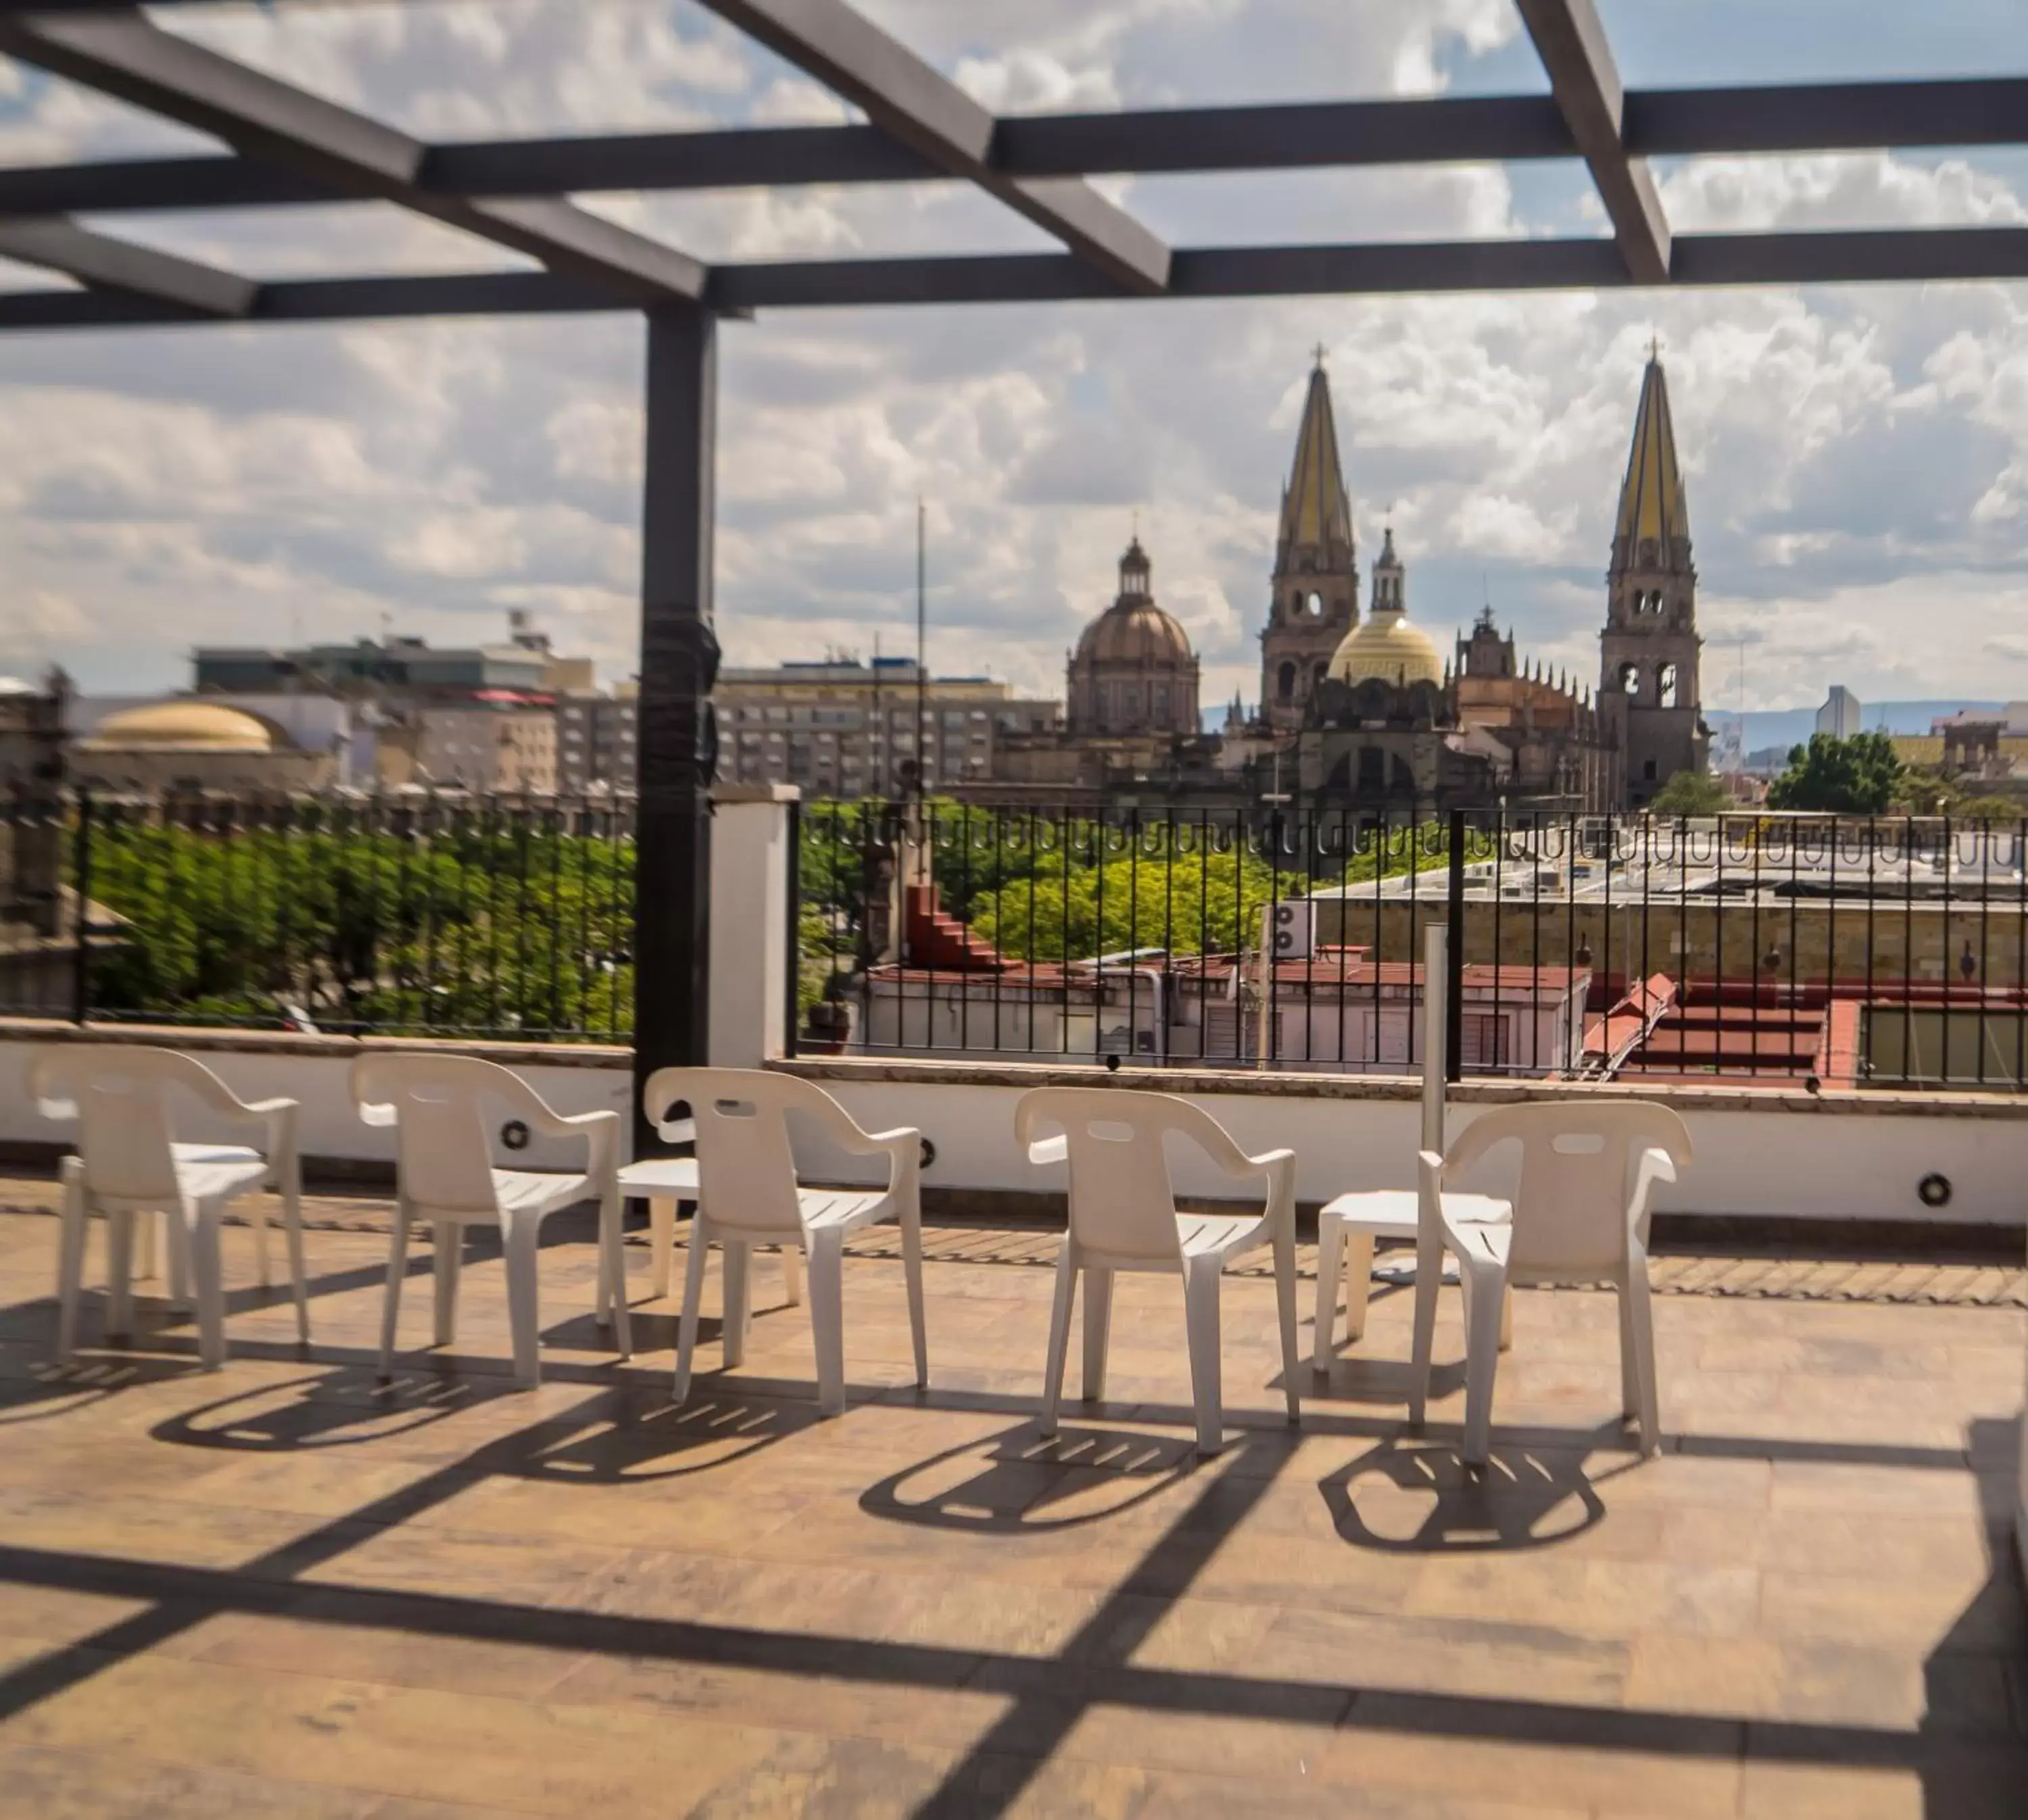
column 1848, row 452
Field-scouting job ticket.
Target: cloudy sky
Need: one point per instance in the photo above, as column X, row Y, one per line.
column 1858, row 458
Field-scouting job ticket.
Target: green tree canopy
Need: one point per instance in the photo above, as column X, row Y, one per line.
column 1859, row 776
column 1691, row 793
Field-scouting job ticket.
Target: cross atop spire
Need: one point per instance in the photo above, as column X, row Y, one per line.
column 1318, row 352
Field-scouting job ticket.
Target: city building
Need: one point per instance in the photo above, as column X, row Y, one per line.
column 1841, row 716
column 478, row 745
column 845, row 728
column 1133, row 673
column 376, row 669
column 191, row 744
column 596, row 738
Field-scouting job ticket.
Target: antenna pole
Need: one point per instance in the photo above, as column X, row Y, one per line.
column 922, row 650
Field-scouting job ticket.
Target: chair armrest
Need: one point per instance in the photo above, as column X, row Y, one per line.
column 1654, row 1166
column 1279, row 1167
column 50, row 1084
column 1057, row 1149
column 279, row 1117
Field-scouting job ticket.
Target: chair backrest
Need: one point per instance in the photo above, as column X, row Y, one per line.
column 1122, row 1202
column 1577, row 1159
column 437, row 1105
column 746, row 1162
column 119, row 1094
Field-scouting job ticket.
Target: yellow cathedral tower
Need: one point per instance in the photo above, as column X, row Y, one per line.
column 1649, row 701
column 1315, row 592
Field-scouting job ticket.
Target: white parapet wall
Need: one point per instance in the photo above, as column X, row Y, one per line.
column 1760, row 1151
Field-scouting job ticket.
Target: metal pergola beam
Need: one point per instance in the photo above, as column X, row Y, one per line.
column 124, row 54
column 925, row 111
column 102, row 263
column 1571, row 43
column 1843, row 116
column 1870, row 256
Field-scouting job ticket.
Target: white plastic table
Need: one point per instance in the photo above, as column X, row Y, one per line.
column 1363, row 1218
column 663, row 1181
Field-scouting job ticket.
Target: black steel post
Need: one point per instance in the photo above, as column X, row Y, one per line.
column 1454, row 953
column 677, row 744
column 81, row 962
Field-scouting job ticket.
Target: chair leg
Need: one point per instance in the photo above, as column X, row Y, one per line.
column 1201, row 1283
column 911, row 1269
column 791, row 1275
column 397, row 1268
column 1507, row 1319
column 120, row 1272
column 661, row 1243
column 1059, row 1336
column 1098, row 1329
column 448, row 1239
column 207, row 1269
column 144, row 1249
column 738, row 1256
column 292, row 1233
column 1429, row 1279
column 1331, row 1249
column 1634, row 1299
column 174, row 1242
column 827, row 1317
column 612, row 1248
column 1285, row 1303
column 256, row 1217
column 1481, row 1316
column 70, row 1266
column 1358, row 1283
column 693, row 1270
column 520, row 1238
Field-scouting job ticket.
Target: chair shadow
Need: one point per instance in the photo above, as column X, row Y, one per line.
column 47, row 1390
column 1420, row 1497
column 351, row 1406
column 674, row 1440
column 1021, row 1483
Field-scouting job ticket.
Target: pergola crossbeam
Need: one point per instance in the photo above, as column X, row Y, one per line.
column 1571, row 42
column 923, row 109
column 124, row 54
column 102, row 263
column 1843, row 116
column 1871, row 256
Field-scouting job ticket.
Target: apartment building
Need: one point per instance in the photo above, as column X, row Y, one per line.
column 844, row 728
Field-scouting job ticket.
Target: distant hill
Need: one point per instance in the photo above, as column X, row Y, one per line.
column 1786, row 727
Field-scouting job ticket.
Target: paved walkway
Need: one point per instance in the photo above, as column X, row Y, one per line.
column 287, row 1590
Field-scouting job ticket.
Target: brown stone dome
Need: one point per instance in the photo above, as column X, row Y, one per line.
column 1136, row 632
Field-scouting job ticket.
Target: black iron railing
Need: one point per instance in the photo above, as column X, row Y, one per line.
column 1806, row 950
column 502, row 917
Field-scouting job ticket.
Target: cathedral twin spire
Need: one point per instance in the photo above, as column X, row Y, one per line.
column 1316, row 508
column 1653, row 528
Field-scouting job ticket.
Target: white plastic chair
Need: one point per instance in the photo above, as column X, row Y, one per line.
column 446, row 1177
column 1124, row 1217
column 1580, row 1213
column 748, row 1194
column 130, row 1162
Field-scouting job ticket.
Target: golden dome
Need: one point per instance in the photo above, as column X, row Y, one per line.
column 1135, row 632
column 1388, row 647
column 183, row 727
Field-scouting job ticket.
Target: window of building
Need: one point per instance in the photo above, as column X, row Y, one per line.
column 1314, row 605
column 1648, row 769
column 1630, row 678
column 1665, row 685
column 1285, row 684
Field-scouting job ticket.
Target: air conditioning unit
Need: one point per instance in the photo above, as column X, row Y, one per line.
column 1291, row 930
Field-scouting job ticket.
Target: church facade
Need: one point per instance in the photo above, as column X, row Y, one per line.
column 1366, row 714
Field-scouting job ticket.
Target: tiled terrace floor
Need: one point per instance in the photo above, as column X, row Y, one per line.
column 284, row 1590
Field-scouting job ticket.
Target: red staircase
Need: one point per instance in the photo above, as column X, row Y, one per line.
column 936, row 939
